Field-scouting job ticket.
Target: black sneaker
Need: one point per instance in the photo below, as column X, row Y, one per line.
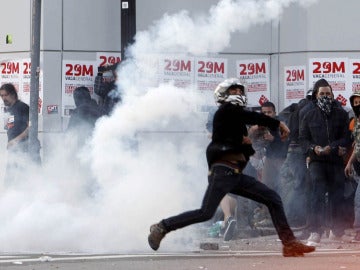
column 296, row 249
column 157, row 233
column 230, row 227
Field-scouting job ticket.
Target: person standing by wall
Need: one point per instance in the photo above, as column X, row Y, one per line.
column 83, row 118
column 106, row 88
column 17, row 127
column 274, row 156
column 275, row 152
column 294, row 175
column 353, row 165
column 323, row 134
column 86, row 113
column 80, row 129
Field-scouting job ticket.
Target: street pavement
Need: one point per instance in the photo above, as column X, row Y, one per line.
column 252, row 253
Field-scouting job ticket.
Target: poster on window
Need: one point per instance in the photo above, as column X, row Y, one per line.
column 76, row 73
column 354, row 66
column 107, row 59
column 294, row 84
column 10, row 72
column 335, row 71
column 25, row 84
column 18, row 73
column 177, row 69
column 256, row 74
column 209, row 72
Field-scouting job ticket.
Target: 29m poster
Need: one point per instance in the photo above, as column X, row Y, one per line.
column 336, row 72
column 76, row 73
column 294, row 84
column 255, row 74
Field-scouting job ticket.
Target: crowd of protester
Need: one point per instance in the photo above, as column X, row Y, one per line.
column 315, row 171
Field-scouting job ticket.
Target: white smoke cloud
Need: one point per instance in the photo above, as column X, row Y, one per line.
column 144, row 163
column 210, row 32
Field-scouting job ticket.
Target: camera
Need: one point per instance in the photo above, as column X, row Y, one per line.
column 108, row 68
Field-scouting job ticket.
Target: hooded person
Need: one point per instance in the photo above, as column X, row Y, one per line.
column 227, row 155
column 106, row 87
column 355, row 105
column 323, row 136
column 354, row 127
column 353, row 165
column 86, row 113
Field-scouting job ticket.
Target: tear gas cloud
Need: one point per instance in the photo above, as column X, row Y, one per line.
column 209, row 32
column 145, row 162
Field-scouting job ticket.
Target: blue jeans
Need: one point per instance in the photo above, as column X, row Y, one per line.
column 223, row 180
column 295, row 187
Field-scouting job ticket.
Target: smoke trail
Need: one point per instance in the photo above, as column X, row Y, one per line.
column 145, row 162
column 159, row 108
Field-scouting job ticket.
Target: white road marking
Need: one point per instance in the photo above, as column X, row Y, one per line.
column 18, row 259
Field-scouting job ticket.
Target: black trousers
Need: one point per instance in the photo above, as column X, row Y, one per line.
column 223, row 180
column 327, row 177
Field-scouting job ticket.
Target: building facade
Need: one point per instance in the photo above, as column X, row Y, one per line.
column 302, row 44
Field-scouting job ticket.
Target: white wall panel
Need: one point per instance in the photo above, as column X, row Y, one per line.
column 77, row 29
column 91, row 25
column 15, row 20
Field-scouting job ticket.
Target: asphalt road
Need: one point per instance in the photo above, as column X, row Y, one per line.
column 219, row 260
column 256, row 253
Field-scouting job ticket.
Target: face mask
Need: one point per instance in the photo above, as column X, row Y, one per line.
column 325, row 104
column 356, row 110
column 237, row 100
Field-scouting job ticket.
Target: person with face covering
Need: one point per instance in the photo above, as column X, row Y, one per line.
column 86, row 113
column 323, row 135
column 353, row 164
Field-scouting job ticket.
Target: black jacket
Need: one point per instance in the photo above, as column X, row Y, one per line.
column 83, row 118
column 277, row 148
column 108, row 91
column 17, row 120
column 229, row 129
column 317, row 128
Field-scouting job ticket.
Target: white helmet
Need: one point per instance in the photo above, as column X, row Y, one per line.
column 221, row 93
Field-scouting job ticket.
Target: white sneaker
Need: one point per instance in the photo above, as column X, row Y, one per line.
column 230, row 229
column 333, row 237
column 314, row 239
column 343, row 238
